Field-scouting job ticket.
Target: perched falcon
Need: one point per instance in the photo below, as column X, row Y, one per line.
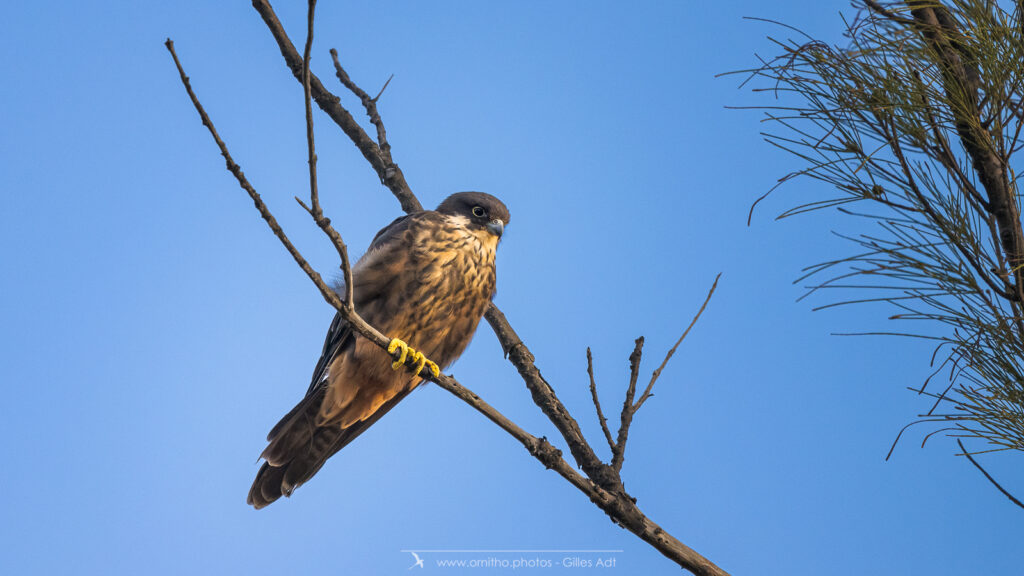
column 425, row 281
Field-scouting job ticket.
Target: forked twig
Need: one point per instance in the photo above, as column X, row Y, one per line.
column 370, row 104
column 629, row 407
column 657, row 373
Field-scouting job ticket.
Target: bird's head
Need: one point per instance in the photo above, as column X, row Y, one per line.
column 482, row 210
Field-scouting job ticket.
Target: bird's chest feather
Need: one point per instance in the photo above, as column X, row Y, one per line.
column 430, row 287
column 454, row 282
column 433, row 293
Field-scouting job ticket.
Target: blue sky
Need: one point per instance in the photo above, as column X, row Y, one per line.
column 153, row 329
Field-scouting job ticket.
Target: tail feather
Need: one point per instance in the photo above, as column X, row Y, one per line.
column 294, row 432
column 267, row 486
column 298, row 449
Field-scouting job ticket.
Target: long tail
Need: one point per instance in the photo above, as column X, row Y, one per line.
column 298, row 448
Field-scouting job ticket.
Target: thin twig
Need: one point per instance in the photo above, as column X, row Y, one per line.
column 236, row 170
column 987, row 475
column 657, row 373
column 332, row 298
column 597, row 403
column 383, row 88
column 370, row 104
column 314, row 194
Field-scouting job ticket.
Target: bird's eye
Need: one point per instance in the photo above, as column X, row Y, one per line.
column 478, row 212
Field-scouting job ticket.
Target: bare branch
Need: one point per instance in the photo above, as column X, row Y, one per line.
column 597, row 403
column 389, row 173
column 987, row 475
column 626, row 416
column 383, row 88
column 332, row 298
column 369, row 103
column 629, row 407
column 546, row 399
column 314, row 194
column 657, row 373
column 236, row 170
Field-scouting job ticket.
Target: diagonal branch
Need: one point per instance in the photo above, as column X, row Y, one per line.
column 544, row 397
column 236, row 170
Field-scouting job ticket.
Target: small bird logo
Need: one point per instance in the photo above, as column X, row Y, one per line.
column 419, row 561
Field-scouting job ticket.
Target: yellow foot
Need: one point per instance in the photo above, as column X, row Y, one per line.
column 418, row 359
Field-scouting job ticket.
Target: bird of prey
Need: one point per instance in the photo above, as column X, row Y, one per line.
column 425, row 281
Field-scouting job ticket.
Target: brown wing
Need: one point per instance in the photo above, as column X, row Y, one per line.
column 302, row 441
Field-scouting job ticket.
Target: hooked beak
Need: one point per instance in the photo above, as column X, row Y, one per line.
column 497, row 227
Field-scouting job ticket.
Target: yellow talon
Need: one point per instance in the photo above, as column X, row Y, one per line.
column 395, row 345
column 420, row 360
column 417, row 357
